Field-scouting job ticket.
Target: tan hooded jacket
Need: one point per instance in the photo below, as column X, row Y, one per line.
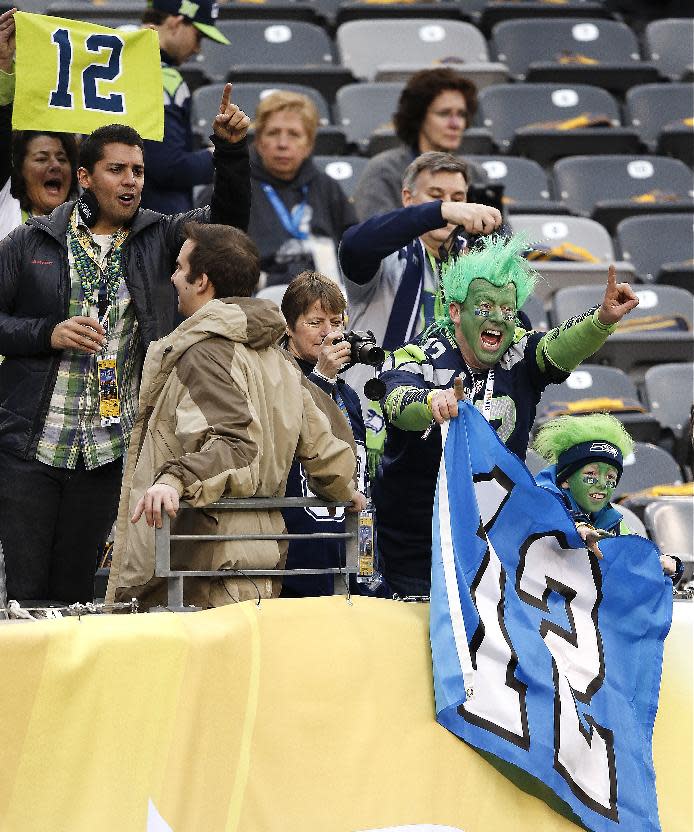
column 223, row 412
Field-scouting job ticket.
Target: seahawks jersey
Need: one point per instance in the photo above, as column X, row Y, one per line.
column 404, row 489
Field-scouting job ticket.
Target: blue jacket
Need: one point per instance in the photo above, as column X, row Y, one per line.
column 172, row 166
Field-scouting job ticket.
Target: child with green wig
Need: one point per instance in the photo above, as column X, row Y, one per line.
column 477, row 350
column 587, row 455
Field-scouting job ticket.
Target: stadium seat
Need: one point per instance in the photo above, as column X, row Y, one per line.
column 482, row 75
column 671, row 524
column 526, row 189
column 282, row 50
column 118, row 12
column 534, row 462
column 669, row 45
column 205, row 101
column 274, row 293
column 302, row 10
column 663, row 115
column 546, row 121
column 669, row 392
column 592, row 388
column 535, row 310
column 364, row 109
column 633, row 521
column 658, row 329
column 635, row 185
column 648, row 466
column 572, row 51
column 496, row 11
column 365, row 45
column 368, row 10
column 345, row 169
column 563, row 236
column 660, row 246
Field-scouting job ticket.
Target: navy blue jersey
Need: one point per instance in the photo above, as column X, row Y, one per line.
column 309, row 554
column 404, row 489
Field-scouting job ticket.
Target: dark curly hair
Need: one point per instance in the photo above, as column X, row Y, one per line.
column 420, row 91
column 20, row 146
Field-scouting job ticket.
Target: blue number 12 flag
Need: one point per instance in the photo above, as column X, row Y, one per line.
column 544, row 655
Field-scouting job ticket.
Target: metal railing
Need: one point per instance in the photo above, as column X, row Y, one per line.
column 174, row 577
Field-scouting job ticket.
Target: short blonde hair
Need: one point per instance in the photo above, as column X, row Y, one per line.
column 295, row 102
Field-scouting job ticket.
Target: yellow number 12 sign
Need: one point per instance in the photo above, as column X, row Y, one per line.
column 74, row 77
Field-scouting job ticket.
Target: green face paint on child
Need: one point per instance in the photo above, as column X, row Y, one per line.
column 487, row 323
column 592, row 485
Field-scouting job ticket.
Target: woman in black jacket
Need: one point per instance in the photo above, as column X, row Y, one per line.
column 298, row 213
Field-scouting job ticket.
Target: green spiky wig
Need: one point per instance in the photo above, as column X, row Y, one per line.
column 565, row 432
column 496, row 259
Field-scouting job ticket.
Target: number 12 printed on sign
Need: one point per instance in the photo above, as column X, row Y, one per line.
column 544, row 656
column 91, row 75
column 75, row 77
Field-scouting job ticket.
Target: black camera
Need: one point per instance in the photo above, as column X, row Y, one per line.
column 363, row 348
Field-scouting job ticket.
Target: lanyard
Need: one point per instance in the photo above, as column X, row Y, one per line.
column 291, row 222
column 488, row 392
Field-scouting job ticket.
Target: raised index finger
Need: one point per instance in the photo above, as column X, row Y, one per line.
column 226, row 98
column 611, row 276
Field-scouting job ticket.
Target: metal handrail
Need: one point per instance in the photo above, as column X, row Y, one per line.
column 174, row 577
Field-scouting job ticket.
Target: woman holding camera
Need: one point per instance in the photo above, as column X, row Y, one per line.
column 314, row 308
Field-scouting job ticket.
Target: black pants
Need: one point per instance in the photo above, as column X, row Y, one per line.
column 53, row 524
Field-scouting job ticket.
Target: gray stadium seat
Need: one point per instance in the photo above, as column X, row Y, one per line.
column 344, row 169
column 364, row 45
column 592, row 388
column 117, row 11
column 534, row 462
column 364, row 109
column 670, row 393
column 648, row 466
column 648, row 335
column 572, row 51
column 634, row 185
column 552, row 231
column 274, row 293
column 523, row 120
column 526, row 189
column 496, row 11
column 671, row 524
column 669, row 45
column 278, row 50
column 660, row 246
column 205, row 101
column 633, row 521
column 535, row 310
column 348, row 10
column 658, row 112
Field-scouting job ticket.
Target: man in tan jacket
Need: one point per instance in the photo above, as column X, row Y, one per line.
column 223, row 411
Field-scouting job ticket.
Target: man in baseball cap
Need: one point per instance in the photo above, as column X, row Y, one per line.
column 174, row 167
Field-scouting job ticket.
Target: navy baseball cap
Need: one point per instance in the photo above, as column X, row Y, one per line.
column 201, row 13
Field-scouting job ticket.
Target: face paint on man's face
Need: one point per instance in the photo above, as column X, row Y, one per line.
column 487, row 322
column 592, row 485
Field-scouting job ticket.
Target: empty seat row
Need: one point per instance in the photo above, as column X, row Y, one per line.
column 585, row 50
column 636, row 185
column 540, row 121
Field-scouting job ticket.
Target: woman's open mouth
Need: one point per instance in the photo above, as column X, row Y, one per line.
column 54, row 186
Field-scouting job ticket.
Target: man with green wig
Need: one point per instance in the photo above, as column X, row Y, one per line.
column 587, row 455
column 475, row 350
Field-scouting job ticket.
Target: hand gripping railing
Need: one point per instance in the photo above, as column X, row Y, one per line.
column 174, row 577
